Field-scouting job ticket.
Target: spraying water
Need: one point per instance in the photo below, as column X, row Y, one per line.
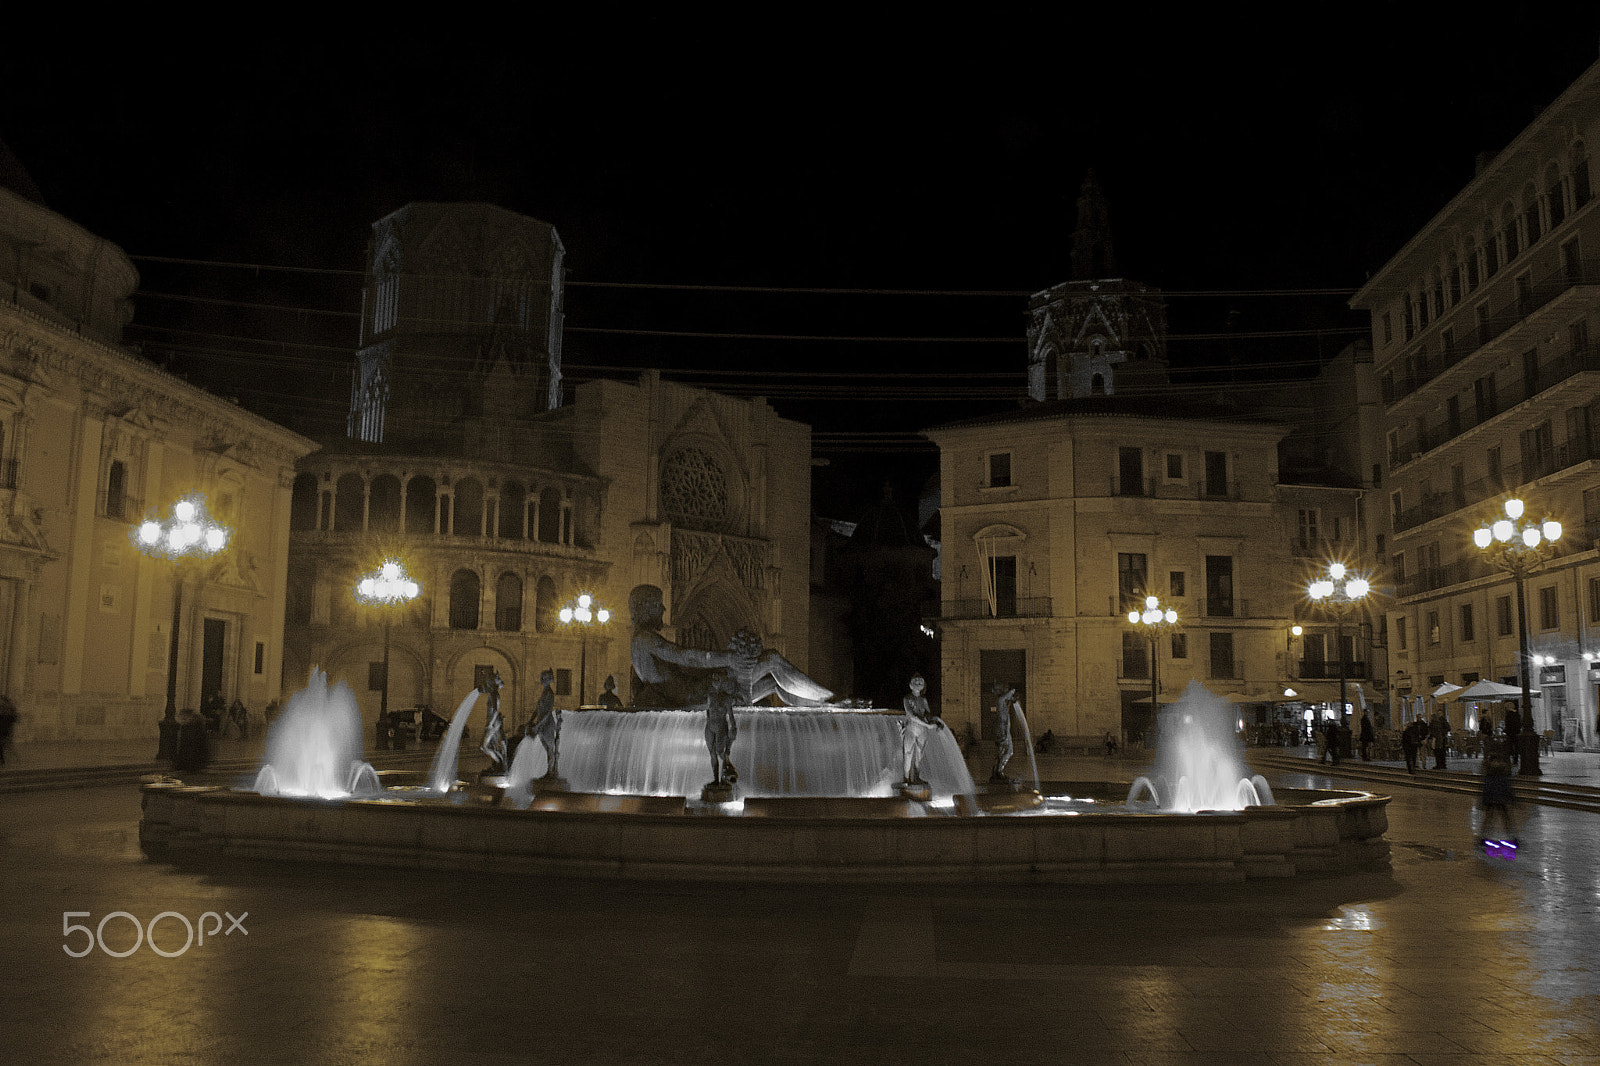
column 1198, row 763
column 314, row 748
column 442, row 775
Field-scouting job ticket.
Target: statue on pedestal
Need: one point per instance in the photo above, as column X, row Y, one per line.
column 609, row 698
column 494, row 738
column 721, row 729
column 919, row 722
column 1002, row 738
column 545, row 725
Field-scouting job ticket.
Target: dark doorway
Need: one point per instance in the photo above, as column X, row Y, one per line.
column 1005, row 666
column 211, row 663
column 1137, row 718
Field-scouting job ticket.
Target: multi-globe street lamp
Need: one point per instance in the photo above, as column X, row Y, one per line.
column 1520, row 546
column 1153, row 620
column 187, row 533
column 387, row 589
column 583, row 613
column 1339, row 591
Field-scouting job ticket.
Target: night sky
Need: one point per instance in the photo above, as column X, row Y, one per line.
column 1236, row 157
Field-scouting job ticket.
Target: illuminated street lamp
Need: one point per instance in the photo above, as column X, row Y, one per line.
column 1520, row 547
column 387, row 588
column 584, row 612
column 1340, row 592
column 187, row 533
column 1154, row 620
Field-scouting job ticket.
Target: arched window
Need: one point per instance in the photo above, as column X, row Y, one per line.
column 1508, row 231
column 550, row 517
column 513, row 507
column 1097, row 385
column 1580, row 175
column 421, row 493
column 1530, row 214
column 1491, row 250
column 464, row 590
column 383, row 504
column 469, row 508
column 544, row 607
column 350, row 504
column 303, row 503
column 116, row 489
column 1555, row 195
column 508, row 603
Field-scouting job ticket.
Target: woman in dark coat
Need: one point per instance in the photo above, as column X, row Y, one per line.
column 194, row 747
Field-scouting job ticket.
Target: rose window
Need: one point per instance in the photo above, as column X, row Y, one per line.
column 694, row 490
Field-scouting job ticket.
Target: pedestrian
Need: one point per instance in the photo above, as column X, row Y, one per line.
column 1111, row 744
column 194, row 742
column 1410, row 741
column 8, row 724
column 1321, row 736
column 1513, row 727
column 1333, row 729
column 1366, row 738
column 239, row 718
column 1439, row 731
column 1497, row 799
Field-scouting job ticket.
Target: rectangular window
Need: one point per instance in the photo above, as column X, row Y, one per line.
column 1180, row 645
column 1400, row 633
column 1447, row 340
column 1176, row 581
column 999, row 470
column 1219, row 587
column 261, row 657
column 1433, row 627
column 1394, row 510
column 1502, row 616
column 1578, row 336
column 1398, row 565
column 1491, row 257
column 375, row 676
column 1483, row 398
column 1130, row 471
column 1549, row 612
column 1174, row 466
column 563, row 681
column 1594, row 600
column 1571, row 264
column 1135, row 654
column 1524, row 293
column 1132, row 579
column 1222, row 655
column 1468, row 631
column 1388, row 327
column 1491, row 459
column 1308, row 527
column 1003, row 574
column 1472, row 270
column 1216, row 473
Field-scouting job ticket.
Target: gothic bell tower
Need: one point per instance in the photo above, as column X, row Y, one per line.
column 1099, row 333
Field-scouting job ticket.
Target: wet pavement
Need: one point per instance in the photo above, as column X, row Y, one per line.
column 1443, row 957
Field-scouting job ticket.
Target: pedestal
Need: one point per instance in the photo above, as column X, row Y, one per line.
column 550, row 783
column 717, row 792
column 917, row 790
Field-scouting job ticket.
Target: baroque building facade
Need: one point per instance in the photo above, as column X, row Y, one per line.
column 506, row 505
column 1483, row 328
column 93, row 438
column 1110, row 484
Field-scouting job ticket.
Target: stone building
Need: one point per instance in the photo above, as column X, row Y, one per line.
column 1483, row 330
column 1110, row 485
column 506, row 506
column 92, row 439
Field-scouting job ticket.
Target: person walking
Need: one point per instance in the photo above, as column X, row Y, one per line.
column 1497, row 800
column 1321, row 736
column 194, row 742
column 1334, row 728
column 1366, row 738
column 1440, row 732
column 1410, row 741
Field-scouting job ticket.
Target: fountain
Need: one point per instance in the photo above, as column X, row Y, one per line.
column 1198, row 765
column 822, row 791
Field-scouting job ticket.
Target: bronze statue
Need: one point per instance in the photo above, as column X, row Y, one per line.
column 669, row 675
column 1002, row 739
column 609, row 698
column 721, row 729
column 545, row 725
column 915, row 728
column 494, row 739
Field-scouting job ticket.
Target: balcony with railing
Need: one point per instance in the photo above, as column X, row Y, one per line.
column 1323, row 670
column 1020, row 607
column 1561, row 457
column 1161, row 489
column 1526, row 303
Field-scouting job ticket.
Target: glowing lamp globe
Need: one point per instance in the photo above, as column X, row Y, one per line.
column 1552, row 529
column 1514, row 508
column 1504, row 530
column 1357, row 588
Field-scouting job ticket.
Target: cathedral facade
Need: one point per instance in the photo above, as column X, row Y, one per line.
column 508, row 495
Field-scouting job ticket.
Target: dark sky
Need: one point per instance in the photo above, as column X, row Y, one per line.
column 1236, row 156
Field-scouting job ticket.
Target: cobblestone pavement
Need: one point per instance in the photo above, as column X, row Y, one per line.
column 1445, row 957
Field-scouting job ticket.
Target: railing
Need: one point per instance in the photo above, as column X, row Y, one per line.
column 1498, row 322
column 1507, row 395
column 1229, row 608
column 1159, row 489
column 1322, row 670
column 1025, row 607
column 8, row 474
column 1438, row 505
column 1467, row 568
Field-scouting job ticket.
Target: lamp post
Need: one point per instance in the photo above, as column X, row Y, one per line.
column 187, row 533
column 583, row 613
column 385, row 589
column 1520, row 547
column 1339, row 591
column 1154, row 620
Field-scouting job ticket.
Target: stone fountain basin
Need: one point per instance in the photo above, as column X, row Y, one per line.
column 652, row 838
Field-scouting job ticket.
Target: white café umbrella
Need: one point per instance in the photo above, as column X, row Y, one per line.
column 1445, row 690
column 1492, row 690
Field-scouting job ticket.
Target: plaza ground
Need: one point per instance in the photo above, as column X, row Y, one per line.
column 1442, row 957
